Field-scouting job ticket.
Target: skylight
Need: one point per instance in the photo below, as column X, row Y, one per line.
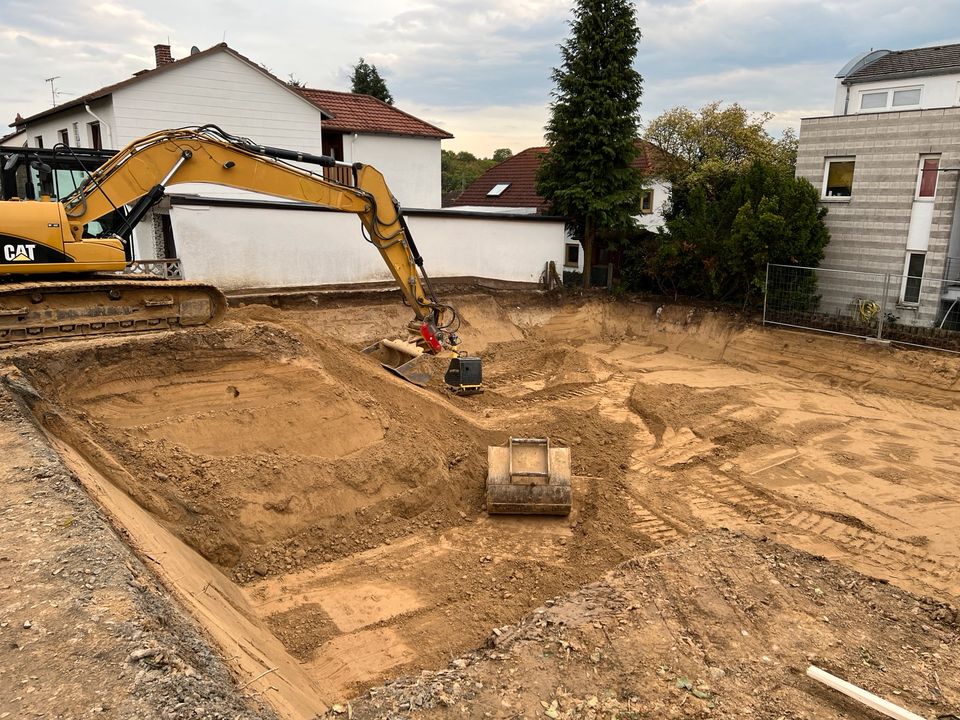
column 497, row 190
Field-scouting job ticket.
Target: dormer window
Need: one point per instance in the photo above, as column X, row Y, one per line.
column 890, row 99
column 498, row 189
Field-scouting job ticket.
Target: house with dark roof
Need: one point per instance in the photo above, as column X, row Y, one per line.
column 887, row 163
column 511, row 188
column 220, row 86
column 223, row 87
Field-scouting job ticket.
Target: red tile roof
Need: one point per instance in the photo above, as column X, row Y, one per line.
column 520, row 171
column 352, row 112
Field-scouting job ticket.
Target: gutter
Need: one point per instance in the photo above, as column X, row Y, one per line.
column 96, row 117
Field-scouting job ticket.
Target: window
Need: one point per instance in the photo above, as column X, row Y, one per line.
column 64, row 136
column 571, row 257
column 646, row 202
column 95, row 140
column 872, row 101
column 890, row 98
column 903, row 98
column 912, row 279
column 498, row 189
column 39, row 141
column 927, row 180
column 838, row 178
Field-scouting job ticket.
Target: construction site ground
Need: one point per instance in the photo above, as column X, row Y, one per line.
column 254, row 520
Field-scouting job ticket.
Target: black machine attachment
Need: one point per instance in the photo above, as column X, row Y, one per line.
column 464, row 376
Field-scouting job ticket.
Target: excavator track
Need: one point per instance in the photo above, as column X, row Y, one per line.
column 104, row 305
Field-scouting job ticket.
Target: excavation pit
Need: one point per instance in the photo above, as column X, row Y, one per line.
column 323, row 520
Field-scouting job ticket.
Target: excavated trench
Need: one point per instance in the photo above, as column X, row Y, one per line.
column 324, row 521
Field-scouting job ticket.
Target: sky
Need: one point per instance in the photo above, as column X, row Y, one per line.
column 480, row 70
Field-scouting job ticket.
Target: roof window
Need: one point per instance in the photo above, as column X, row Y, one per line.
column 498, row 189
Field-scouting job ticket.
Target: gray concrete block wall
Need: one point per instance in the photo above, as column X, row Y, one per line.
column 869, row 230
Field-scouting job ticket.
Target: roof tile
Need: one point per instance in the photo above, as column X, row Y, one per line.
column 353, row 112
column 520, row 171
column 906, row 62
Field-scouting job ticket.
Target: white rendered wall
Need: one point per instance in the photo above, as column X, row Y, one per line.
column 75, row 121
column 661, row 194
column 256, row 247
column 17, row 140
column 410, row 165
column 938, row 91
column 219, row 89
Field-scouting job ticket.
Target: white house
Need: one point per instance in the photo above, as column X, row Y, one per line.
column 222, row 87
column 243, row 240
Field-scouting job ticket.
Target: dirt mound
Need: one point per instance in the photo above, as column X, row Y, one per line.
column 348, row 505
column 721, row 626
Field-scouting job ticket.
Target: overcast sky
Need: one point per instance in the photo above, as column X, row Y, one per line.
column 480, row 70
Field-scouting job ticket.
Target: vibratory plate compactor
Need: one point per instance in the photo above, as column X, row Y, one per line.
column 528, row 477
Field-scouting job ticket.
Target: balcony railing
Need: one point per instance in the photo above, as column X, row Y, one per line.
column 339, row 174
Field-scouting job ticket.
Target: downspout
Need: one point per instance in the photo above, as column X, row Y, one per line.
column 846, row 100
column 92, row 114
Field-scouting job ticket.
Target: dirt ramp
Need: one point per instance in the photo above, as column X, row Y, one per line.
column 270, row 437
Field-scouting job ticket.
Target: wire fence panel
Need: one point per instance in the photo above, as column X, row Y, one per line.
column 910, row 310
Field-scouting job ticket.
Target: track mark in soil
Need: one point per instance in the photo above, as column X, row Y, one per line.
column 650, row 525
column 722, row 500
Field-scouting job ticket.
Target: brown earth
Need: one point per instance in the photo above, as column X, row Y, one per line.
column 341, row 509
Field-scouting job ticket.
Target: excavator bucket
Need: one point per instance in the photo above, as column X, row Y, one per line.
column 528, row 477
column 402, row 358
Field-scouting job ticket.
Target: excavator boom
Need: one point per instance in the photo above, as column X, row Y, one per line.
column 45, row 238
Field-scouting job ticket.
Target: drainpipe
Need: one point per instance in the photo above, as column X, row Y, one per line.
column 92, row 114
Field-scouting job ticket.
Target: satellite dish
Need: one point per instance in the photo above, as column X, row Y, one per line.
column 194, row 50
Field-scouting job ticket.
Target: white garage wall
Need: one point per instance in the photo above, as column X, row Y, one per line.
column 249, row 247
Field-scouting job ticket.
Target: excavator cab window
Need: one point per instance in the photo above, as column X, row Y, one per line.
column 33, row 173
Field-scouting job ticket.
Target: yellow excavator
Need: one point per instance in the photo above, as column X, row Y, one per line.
column 45, row 245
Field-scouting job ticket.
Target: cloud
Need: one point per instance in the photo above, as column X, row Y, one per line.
column 483, row 71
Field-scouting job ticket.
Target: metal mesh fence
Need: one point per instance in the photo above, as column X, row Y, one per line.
column 897, row 308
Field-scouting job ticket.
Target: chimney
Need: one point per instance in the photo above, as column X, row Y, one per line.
column 162, row 53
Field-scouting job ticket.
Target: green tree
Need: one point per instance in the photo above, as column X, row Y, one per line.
column 501, row 154
column 719, row 238
column 588, row 174
column 460, row 169
column 715, row 141
column 367, row 81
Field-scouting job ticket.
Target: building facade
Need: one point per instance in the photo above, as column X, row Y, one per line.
column 887, row 165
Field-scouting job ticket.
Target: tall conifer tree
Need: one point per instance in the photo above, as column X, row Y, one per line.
column 367, row 81
column 592, row 132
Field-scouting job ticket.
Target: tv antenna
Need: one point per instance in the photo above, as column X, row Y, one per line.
column 53, row 89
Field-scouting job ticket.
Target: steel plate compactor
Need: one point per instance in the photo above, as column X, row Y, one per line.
column 528, row 477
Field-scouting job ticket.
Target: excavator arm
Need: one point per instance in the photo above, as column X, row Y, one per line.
column 138, row 175
column 43, row 238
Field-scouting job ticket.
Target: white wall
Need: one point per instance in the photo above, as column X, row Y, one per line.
column 256, row 247
column 220, row 89
column 661, row 195
column 76, row 120
column 410, row 165
column 938, row 91
column 16, row 140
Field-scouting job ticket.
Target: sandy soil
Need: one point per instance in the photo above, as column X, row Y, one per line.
column 347, row 506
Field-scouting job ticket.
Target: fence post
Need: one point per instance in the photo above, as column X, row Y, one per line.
column 766, row 291
column 883, row 306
